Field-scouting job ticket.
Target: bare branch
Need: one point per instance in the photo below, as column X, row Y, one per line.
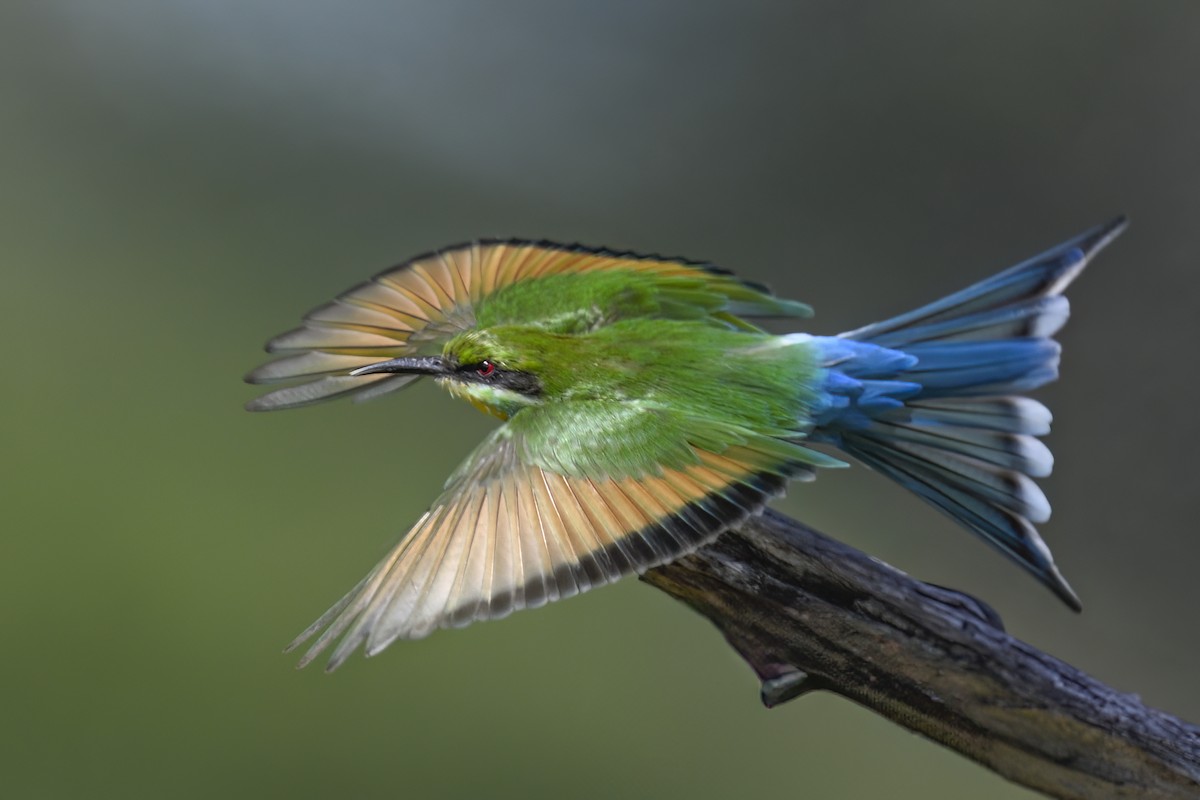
column 810, row 613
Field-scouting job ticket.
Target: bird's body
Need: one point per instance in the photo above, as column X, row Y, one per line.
column 736, row 375
column 644, row 414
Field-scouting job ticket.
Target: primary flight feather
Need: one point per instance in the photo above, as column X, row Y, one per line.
column 644, row 414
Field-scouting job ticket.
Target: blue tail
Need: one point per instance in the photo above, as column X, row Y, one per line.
column 931, row 399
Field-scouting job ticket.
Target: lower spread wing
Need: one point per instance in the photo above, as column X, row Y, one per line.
column 520, row 524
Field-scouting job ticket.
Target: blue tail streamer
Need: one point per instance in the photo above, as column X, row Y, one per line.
column 933, row 399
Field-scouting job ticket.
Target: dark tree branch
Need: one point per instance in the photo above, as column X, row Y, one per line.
column 810, row 613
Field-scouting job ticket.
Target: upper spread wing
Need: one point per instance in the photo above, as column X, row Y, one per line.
column 415, row 307
column 526, row 520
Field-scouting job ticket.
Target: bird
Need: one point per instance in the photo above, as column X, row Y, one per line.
column 645, row 411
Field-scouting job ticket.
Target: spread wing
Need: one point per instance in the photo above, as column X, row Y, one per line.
column 521, row 523
column 416, row 307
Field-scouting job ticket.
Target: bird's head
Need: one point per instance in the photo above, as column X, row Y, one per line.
column 496, row 370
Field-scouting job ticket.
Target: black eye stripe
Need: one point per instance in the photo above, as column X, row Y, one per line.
column 489, row 372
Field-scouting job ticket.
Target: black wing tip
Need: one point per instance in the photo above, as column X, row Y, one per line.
column 578, row 247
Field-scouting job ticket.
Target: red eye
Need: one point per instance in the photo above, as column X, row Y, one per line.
column 485, row 369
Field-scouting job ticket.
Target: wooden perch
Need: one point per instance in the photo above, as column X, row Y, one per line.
column 810, row 613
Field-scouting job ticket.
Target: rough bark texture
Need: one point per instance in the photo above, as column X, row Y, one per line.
column 810, row 613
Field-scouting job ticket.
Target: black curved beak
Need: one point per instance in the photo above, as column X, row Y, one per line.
column 414, row 365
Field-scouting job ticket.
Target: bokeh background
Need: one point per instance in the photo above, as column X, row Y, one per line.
column 182, row 180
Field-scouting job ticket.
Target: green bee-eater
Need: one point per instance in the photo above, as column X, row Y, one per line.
column 644, row 414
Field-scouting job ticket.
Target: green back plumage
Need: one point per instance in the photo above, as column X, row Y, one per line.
column 578, row 302
column 630, row 397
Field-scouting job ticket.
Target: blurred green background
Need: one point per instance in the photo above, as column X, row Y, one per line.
column 182, row 180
